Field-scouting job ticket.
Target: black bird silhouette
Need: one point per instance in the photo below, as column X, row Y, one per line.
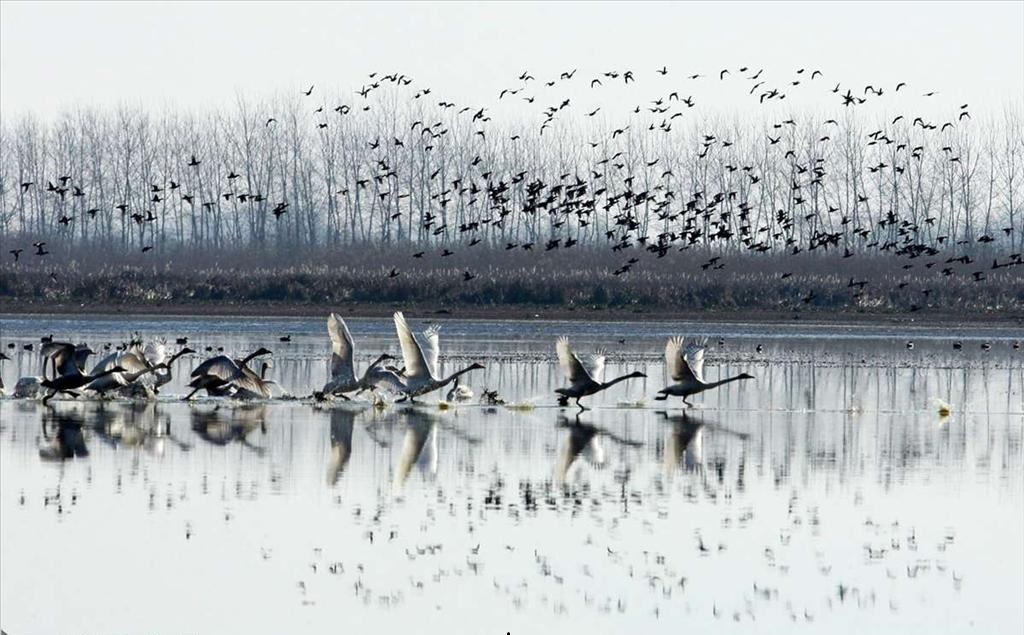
column 39, row 249
column 16, row 253
column 309, row 92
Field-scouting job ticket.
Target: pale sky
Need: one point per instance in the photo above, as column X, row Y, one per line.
column 55, row 55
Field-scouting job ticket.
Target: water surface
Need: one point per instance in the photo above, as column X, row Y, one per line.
column 826, row 494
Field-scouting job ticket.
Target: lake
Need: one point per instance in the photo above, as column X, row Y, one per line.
column 827, row 494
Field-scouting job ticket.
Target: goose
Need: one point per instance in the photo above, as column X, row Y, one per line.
column 343, row 374
column 459, row 393
column 584, row 380
column 421, row 369
column 686, row 367
column 220, row 375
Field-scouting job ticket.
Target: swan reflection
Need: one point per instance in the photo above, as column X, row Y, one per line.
column 225, row 425
column 419, row 445
column 67, row 441
column 342, row 423
column 584, row 440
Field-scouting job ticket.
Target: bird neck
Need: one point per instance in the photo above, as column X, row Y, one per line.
column 455, row 376
column 722, row 382
column 609, row 384
column 376, row 363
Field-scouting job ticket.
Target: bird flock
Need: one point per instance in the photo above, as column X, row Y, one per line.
column 139, row 370
column 444, row 186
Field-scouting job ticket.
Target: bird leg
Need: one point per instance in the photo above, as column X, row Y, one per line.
column 189, row 396
column 582, row 407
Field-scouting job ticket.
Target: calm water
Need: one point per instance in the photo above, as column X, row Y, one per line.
column 827, row 494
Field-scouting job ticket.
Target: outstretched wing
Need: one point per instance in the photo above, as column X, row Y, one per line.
column 432, row 348
column 595, row 366
column 415, row 363
column 694, row 356
column 684, row 360
column 62, row 355
column 156, row 352
column 104, row 364
column 221, row 366
column 81, row 356
column 571, row 365
column 674, row 362
column 342, row 348
column 249, row 380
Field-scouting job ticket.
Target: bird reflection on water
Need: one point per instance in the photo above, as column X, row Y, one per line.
column 67, row 441
column 584, row 439
column 223, row 426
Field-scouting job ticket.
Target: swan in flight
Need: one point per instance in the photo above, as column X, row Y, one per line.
column 133, row 360
column 222, row 376
column 254, row 386
column 155, row 354
column 343, row 373
column 421, row 368
column 66, row 358
column 584, row 379
column 685, row 363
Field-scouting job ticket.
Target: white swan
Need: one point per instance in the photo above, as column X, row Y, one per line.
column 132, row 360
column 222, row 376
column 583, row 379
column 254, row 386
column 58, row 358
column 421, row 374
column 459, row 393
column 343, row 373
column 685, row 363
column 155, row 354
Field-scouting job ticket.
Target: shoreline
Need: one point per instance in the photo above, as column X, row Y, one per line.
column 510, row 312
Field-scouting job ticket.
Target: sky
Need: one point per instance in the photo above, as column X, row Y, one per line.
column 56, row 56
